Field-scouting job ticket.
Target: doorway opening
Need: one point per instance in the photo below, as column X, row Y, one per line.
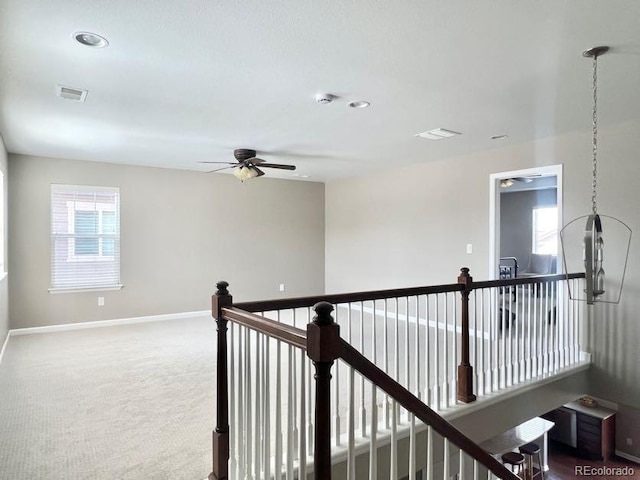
column 525, row 219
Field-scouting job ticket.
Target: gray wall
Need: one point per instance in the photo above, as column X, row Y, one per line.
column 4, row 289
column 516, row 221
column 410, row 226
column 181, row 231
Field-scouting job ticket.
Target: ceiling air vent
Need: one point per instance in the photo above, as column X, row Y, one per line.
column 437, row 134
column 70, row 93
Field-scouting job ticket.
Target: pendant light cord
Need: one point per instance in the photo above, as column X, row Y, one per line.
column 595, row 134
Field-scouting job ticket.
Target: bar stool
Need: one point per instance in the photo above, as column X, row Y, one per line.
column 529, row 450
column 513, row 459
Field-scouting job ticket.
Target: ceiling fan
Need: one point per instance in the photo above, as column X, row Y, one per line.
column 507, row 182
column 248, row 166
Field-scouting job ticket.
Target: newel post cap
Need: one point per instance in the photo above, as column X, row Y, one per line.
column 222, row 288
column 323, row 313
column 464, row 276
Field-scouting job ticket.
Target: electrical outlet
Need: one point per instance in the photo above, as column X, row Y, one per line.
column 629, row 442
column 469, row 248
column 282, row 287
column 101, row 301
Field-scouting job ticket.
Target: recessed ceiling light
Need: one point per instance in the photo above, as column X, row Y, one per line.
column 499, row 137
column 359, row 104
column 437, row 134
column 90, row 39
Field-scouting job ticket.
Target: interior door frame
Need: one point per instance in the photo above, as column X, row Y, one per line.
column 494, row 210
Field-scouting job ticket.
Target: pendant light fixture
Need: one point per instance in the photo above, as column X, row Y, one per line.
column 599, row 287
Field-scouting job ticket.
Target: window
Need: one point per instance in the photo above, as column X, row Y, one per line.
column 545, row 230
column 85, row 237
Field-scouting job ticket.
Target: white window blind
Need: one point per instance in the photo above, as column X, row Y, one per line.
column 85, row 237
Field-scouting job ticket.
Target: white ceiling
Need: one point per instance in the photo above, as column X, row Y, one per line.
column 187, row 81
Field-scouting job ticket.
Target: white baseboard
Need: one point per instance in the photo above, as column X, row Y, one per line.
column 107, row 323
column 627, row 456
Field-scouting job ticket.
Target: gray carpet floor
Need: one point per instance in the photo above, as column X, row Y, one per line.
column 127, row 402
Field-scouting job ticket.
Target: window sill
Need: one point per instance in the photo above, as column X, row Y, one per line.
column 105, row 288
column 3, row 275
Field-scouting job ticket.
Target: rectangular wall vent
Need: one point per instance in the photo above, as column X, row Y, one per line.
column 70, row 93
column 437, row 134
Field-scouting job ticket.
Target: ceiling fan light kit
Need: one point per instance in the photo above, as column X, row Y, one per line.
column 599, row 288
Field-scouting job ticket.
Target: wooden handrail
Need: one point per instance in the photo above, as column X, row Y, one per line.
column 508, row 282
column 413, row 404
column 337, row 298
column 280, row 331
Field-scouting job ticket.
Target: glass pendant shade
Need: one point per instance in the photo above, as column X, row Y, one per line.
column 245, row 173
column 599, row 246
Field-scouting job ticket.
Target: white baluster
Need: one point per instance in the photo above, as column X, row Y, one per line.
column 363, row 408
column 267, row 409
column 445, row 389
column 412, row 446
column 447, row 465
column 240, row 436
column 351, row 442
column 407, row 352
column 545, row 324
column 233, row 425
column 530, row 353
column 455, row 361
column 386, row 364
column 302, row 456
column 462, row 473
column 373, row 444
column 427, row 353
column 294, row 412
column 291, row 400
column 278, row 419
column 336, row 388
column 503, row 333
column 429, row 453
column 495, row 340
column 310, row 398
column 436, row 348
column 248, row 406
column 418, row 391
column 397, row 350
column 513, row 308
column 393, row 460
column 257, row 429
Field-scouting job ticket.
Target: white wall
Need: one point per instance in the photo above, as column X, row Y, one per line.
column 4, row 282
column 181, row 231
column 410, row 226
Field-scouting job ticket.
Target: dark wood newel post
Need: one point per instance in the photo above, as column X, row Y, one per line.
column 220, row 300
column 323, row 347
column 465, row 370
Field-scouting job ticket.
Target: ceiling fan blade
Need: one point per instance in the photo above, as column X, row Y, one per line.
column 222, row 163
column 218, row 169
column 278, row 165
column 260, row 172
